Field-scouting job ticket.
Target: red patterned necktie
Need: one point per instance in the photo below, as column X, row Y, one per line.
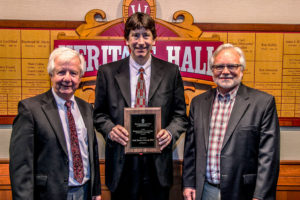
column 140, row 94
column 76, row 155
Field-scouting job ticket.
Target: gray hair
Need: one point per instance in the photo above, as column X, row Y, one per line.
column 228, row 46
column 65, row 54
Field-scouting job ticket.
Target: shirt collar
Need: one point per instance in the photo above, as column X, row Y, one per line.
column 135, row 66
column 60, row 101
column 228, row 96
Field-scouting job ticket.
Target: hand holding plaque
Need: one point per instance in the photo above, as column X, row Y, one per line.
column 142, row 124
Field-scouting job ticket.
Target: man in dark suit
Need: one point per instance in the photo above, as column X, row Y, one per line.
column 232, row 143
column 53, row 148
column 133, row 176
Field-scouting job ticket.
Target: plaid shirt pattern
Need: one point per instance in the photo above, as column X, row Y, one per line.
column 221, row 111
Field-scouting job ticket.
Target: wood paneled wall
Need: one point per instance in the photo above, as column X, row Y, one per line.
column 288, row 187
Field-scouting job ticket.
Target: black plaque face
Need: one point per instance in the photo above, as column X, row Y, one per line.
column 142, row 124
column 143, row 131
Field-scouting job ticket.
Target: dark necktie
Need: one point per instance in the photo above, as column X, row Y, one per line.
column 140, row 95
column 76, row 155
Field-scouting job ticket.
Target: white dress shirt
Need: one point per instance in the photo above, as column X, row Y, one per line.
column 134, row 74
column 82, row 137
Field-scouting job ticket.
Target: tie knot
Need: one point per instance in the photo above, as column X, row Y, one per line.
column 141, row 70
column 68, row 104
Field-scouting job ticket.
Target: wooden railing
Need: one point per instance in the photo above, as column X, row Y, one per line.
column 288, row 187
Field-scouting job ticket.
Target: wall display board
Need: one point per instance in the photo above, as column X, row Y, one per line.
column 23, row 65
column 273, row 65
column 273, row 58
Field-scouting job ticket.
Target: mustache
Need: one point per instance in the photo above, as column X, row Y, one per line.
column 226, row 76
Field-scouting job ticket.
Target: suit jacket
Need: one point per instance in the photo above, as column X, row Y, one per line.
column 39, row 164
column 249, row 162
column 113, row 95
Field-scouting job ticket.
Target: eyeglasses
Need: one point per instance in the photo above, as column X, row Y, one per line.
column 230, row 67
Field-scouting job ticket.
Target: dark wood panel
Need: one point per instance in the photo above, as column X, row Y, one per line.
column 203, row 26
column 288, row 185
column 249, row 27
column 40, row 24
column 6, row 120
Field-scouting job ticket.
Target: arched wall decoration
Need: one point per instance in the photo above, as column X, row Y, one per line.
column 194, row 49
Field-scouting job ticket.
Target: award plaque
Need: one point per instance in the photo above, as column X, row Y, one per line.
column 142, row 125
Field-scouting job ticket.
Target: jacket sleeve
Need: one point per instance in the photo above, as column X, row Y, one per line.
column 178, row 123
column 102, row 120
column 268, row 158
column 189, row 162
column 21, row 152
column 97, row 182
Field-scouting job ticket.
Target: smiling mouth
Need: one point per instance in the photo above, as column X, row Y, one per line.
column 226, row 77
column 140, row 49
column 66, row 86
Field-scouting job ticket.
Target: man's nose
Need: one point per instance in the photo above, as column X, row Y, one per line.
column 141, row 40
column 67, row 77
column 225, row 70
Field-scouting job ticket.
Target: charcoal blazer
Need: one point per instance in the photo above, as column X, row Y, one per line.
column 249, row 162
column 113, row 95
column 39, row 164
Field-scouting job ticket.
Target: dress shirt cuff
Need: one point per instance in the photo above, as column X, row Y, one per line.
column 170, row 133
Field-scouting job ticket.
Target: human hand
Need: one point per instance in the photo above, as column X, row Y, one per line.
column 189, row 194
column 119, row 134
column 164, row 138
column 96, row 197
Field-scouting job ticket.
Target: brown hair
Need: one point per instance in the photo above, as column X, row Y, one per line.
column 139, row 20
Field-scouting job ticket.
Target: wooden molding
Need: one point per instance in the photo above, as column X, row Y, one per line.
column 288, row 187
column 202, row 26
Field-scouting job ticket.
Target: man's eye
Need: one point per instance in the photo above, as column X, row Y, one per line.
column 60, row 73
column 220, row 67
column 230, row 66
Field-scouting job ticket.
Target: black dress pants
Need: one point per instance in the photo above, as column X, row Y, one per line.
column 139, row 180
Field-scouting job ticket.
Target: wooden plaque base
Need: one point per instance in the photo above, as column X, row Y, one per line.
column 142, row 124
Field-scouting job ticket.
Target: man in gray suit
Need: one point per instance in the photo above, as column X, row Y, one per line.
column 129, row 177
column 232, row 143
column 53, row 148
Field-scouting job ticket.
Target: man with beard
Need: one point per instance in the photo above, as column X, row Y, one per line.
column 232, row 142
column 53, row 148
column 149, row 176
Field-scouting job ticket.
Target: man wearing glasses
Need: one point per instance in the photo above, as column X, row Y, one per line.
column 232, row 142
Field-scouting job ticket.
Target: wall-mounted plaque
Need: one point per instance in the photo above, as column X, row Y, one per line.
column 142, row 125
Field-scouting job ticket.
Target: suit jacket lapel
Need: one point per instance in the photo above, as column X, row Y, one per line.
column 206, row 108
column 123, row 80
column 240, row 106
column 51, row 112
column 156, row 77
